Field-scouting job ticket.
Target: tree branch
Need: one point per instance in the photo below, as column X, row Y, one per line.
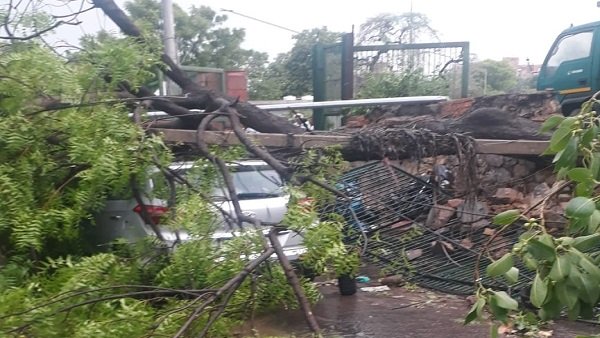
column 294, row 282
column 39, row 33
column 232, row 283
column 197, row 96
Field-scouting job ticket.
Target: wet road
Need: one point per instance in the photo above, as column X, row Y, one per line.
column 395, row 313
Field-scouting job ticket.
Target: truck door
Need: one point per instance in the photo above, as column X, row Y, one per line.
column 568, row 66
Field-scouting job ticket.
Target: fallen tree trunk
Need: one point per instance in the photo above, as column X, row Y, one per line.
column 506, row 117
column 532, row 106
column 489, row 123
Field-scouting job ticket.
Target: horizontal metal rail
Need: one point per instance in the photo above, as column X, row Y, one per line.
column 354, row 103
column 404, row 46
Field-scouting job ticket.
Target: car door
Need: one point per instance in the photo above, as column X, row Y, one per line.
column 568, row 66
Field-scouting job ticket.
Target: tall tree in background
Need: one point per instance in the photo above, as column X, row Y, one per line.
column 291, row 73
column 267, row 80
column 389, row 28
column 396, row 73
column 490, row 77
column 298, row 62
column 201, row 38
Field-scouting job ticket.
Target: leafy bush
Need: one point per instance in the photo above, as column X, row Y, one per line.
column 414, row 83
column 566, row 263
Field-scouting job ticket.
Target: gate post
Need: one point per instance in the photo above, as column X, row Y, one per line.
column 348, row 66
column 318, row 72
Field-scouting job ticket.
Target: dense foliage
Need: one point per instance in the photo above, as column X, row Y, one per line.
column 291, row 73
column 566, row 261
column 413, row 83
column 490, row 77
column 67, row 145
column 56, row 166
column 202, row 39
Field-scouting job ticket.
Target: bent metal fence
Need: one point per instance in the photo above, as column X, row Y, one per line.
column 387, row 217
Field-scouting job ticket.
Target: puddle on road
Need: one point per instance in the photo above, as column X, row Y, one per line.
column 337, row 315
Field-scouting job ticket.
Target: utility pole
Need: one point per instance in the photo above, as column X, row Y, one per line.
column 169, row 41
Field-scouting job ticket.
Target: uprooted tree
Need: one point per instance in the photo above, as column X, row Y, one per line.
column 67, row 144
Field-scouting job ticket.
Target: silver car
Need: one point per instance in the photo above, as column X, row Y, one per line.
column 259, row 190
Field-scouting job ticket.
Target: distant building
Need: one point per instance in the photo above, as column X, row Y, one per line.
column 526, row 71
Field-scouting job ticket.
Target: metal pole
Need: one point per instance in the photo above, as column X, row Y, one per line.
column 485, row 81
column 319, row 88
column 348, row 66
column 169, row 40
column 466, row 60
column 353, row 103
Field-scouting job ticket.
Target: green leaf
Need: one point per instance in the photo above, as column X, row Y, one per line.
column 592, row 290
column 551, row 122
column 566, row 294
column 557, row 157
column 573, row 313
column 475, row 311
column 594, row 222
column 527, row 235
column 561, row 136
column 498, row 311
column 500, row 266
column 539, row 291
column 595, row 165
column 507, row 217
column 580, row 207
column 551, row 309
column 547, row 240
column 589, row 291
column 568, row 122
column 540, row 250
column 512, row 275
column 505, row 301
column 584, row 189
column 560, row 268
column 590, row 267
column 586, row 311
column 584, row 243
column 580, row 175
column 588, row 136
column 530, row 262
column 577, row 225
column 569, row 154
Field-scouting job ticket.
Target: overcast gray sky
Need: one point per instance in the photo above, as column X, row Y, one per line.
column 495, row 28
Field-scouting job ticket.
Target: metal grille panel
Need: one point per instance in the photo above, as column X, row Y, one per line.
column 386, row 213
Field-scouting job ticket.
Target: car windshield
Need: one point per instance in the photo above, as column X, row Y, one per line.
column 253, row 182
column 250, row 182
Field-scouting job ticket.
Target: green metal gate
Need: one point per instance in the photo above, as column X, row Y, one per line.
column 339, row 68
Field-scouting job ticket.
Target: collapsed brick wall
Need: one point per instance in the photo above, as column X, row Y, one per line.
column 503, row 183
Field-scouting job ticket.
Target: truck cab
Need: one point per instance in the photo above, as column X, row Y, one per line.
column 571, row 69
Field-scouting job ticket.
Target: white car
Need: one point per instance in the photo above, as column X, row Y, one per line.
column 259, row 190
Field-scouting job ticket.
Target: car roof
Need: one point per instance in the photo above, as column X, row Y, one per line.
column 189, row 164
column 581, row 27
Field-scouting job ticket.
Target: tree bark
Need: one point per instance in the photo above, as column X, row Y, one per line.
column 506, row 116
column 294, row 282
column 484, row 123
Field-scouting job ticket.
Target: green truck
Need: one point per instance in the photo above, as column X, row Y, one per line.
column 572, row 67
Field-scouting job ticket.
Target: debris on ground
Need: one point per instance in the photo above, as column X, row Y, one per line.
column 380, row 288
